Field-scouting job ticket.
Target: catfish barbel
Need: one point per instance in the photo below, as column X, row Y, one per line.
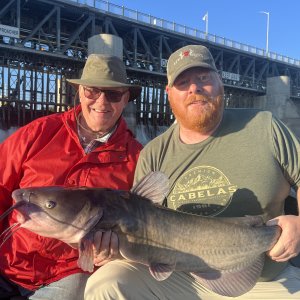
column 226, row 255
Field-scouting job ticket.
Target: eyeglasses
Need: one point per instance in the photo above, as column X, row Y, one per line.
column 110, row 95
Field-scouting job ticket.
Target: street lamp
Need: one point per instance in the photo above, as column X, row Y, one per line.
column 268, row 22
column 205, row 18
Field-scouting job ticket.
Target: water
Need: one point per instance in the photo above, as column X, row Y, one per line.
column 6, row 133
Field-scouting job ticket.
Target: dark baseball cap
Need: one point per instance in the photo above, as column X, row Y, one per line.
column 188, row 57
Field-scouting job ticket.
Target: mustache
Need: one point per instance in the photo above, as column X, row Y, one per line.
column 213, row 100
column 197, row 97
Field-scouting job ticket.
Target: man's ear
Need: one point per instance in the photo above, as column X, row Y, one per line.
column 167, row 89
column 79, row 92
column 126, row 100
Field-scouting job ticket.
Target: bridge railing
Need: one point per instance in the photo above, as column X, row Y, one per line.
column 135, row 15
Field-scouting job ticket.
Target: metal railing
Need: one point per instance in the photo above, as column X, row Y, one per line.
column 135, row 15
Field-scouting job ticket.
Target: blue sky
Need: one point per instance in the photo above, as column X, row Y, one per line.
column 237, row 20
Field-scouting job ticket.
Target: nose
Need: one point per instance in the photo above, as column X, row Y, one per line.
column 102, row 98
column 196, row 87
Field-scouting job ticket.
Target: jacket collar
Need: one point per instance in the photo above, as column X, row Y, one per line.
column 116, row 141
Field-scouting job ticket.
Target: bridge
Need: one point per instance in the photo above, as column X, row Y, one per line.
column 43, row 42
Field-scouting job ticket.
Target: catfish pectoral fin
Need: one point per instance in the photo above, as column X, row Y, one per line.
column 86, row 255
column 232, row 283
column 161, row 271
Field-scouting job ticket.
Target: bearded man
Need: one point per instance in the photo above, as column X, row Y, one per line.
column 220, row 163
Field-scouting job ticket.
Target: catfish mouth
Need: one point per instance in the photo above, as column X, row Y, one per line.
column 39, row 221
column 17, row 206
column 25, row 214
column 23, row 206
column 32, row 217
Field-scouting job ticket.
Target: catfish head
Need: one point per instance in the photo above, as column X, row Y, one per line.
column 57, row 212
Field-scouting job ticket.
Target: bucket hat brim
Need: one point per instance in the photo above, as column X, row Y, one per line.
column 105, row 71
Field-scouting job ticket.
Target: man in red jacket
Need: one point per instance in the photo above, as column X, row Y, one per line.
column 89, row 145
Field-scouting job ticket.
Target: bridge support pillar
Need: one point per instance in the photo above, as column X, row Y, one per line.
column 106, row 44
column 113, row 45
column 278, row 101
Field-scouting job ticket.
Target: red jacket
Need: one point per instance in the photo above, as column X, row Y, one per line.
column 47, row 152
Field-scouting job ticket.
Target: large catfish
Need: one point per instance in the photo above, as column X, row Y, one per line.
column 225, row 255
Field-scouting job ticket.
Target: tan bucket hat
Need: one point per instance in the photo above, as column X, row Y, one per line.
column 105, row 71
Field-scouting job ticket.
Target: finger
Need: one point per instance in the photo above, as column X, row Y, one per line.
column 272, row 222
column 99, row 263
column 284, row 257
column 98, row 260
column 74, row 245
column 97, row 241
column 114, row 245
column 103, row 258
column 104, row 250
column 277, row 250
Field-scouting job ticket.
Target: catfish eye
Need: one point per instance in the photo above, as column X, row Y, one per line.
column 50, row 204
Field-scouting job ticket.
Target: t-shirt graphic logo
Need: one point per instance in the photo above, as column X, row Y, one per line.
column 202, row 190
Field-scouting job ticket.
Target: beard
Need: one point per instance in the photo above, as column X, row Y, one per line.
column 206, row 118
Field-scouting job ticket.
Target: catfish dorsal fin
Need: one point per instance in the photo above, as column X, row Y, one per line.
column 154, row 186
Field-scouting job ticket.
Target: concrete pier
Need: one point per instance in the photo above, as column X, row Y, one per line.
column 106, row 44
column 278, row 101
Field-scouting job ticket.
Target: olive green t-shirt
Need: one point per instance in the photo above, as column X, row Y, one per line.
column 245, row 168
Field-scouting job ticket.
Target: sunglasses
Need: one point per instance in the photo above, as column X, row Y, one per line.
column 110, row 95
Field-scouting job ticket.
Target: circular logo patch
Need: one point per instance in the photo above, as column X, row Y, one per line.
column 202, row 190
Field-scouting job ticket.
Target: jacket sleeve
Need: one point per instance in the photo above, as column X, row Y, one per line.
column 13, row 152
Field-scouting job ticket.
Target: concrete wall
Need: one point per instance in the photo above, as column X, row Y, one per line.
column 278, row 101
column 106, row 44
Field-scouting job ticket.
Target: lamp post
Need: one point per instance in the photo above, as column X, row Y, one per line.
column 205, row 18
column 268, row 22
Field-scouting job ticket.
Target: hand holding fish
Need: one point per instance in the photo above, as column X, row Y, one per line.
column 106, row 247
column 288, row 245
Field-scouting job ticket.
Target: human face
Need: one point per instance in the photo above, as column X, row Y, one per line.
column 196, row 99
column 100, row 110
